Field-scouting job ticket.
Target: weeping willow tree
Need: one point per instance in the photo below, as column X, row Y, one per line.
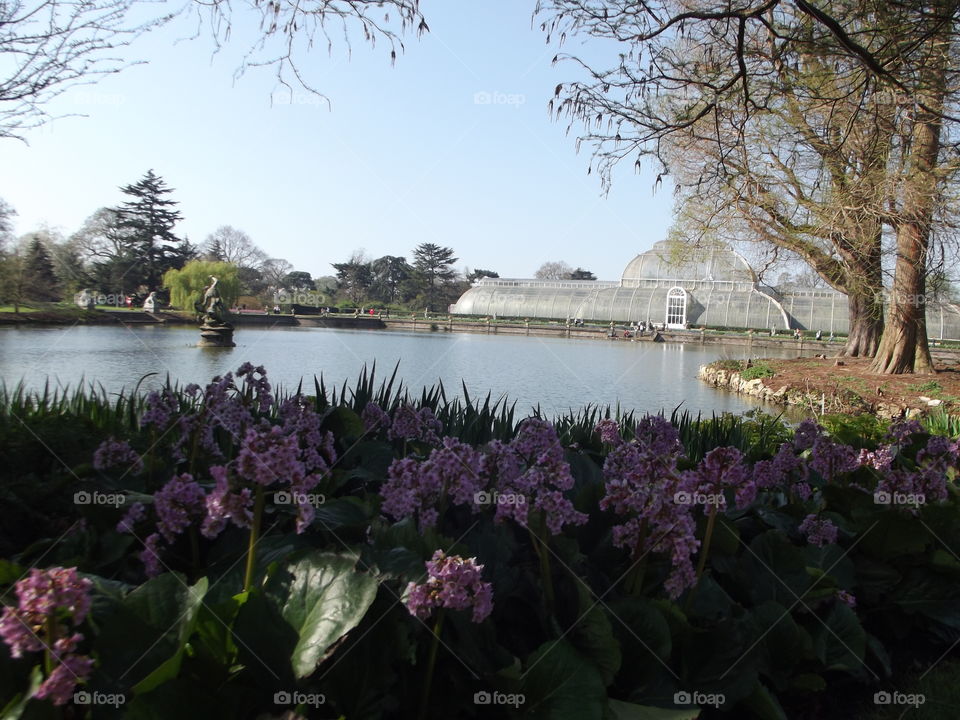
column 186, row 285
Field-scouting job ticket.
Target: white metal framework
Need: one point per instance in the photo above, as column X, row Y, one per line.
column 676, row 308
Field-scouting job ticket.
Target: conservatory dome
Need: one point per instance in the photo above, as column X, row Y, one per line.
column 670, row 284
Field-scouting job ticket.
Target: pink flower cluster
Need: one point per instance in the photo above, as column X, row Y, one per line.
column 411, row 424
column 609, row 431
column 50, row 601
column 722, row 469
column 786, row 471
column 819, row 531
column 226, row 504
column 113, row 453
column 532, row 474
column 831, row 459
column 419, row 488
column 256, row 387
column 374, row 418
column 178, row 505
column 641, row 483
column 225, row 407
column 453, row 583
column 161, row 407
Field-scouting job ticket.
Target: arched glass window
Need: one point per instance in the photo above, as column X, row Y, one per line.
column 676, row 308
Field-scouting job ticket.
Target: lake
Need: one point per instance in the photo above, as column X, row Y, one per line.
column 557, row 374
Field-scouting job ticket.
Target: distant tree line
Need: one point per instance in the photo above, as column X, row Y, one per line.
column 133, row 249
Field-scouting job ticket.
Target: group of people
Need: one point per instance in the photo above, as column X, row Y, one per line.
column 798, row 333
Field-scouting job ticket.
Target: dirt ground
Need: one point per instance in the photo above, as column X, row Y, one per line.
column 862, row 390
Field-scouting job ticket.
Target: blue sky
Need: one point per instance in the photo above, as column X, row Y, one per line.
column 405, row 155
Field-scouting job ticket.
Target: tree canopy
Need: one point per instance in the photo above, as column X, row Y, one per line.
column 186, row 284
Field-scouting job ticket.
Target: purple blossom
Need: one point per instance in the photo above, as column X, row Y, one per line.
column 268, row 456
column 819, row 531
column 150, row 555
column 161, row 407
column 113, row 453
column 722, row 469
column 316, row 448
column 410, row 424
column 225, row 504
column 786, row 471
column 222, row 408
column 900, row 432
column 179, row 504
column 908, row 489
column 879, row 459
column 374, row 418
column 256, row 386
column 609, row 431
column 135, row 514
column 61, row 683
column 831, row 459
column 49, row 602
column 940, row 452
column 658, row 436
column 641, row 484
column 848, row 598
column 417, row 489
column 453, row 583
column 806, row 432
column 532, row 472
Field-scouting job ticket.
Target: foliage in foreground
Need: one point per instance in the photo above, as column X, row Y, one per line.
column 357, row 553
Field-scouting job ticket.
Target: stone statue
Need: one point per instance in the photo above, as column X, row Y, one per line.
column 210, row 310
column 215, row 331
column 85, row 299
column 150, row 304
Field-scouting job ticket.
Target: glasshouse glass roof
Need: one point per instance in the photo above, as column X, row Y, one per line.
column 707, row 286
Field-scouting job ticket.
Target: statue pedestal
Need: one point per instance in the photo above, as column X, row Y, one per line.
column 216, row 336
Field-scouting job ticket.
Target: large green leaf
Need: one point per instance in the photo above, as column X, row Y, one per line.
column 774, row 569
column 784, row 642
column 141, row 643
column 628, row 711
column 559, row 684
column 840, row 641
column 593, row 636
column 327, row 599
column 764, row 704
column 168, row 670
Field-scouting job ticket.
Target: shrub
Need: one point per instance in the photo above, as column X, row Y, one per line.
column 757, row 370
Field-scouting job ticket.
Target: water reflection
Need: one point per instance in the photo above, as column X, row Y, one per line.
column 555, row 373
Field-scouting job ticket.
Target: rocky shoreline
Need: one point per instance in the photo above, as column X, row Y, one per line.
column 818, row 395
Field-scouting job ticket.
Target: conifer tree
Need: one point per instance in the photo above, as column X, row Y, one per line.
column 146, row 222
column 41, row 281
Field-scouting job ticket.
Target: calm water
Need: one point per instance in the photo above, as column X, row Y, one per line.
column 556, row 373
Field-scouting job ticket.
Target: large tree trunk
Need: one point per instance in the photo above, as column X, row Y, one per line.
column 866, row 324
column 904, row 348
